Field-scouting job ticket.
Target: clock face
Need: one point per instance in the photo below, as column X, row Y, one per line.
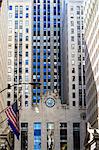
column 50, row 102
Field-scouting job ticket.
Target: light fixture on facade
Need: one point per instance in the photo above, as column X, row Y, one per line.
column 36, row 109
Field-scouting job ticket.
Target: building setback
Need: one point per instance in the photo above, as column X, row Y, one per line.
column 47, row 121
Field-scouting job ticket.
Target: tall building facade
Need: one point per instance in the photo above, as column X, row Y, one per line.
column 3, row 55
column 73, row 55
column 91, row 21
column 33, row 56
column 73, row 62
column 3, row 71
column 91, row 35
column 47, row 121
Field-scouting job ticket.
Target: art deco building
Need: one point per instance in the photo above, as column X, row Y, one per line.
column 47, row 121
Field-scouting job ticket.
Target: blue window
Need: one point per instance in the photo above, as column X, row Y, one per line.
column 26, row 62
column 44, row 69
column 48, row 6
column 58, row 9
column 27, row 30
column 34, row 63
column 26, row 54
column 58, row 1
column 44, row 91
column 49, row 76
column 10, row 7
column 27, row 7
column 34, row 99
column 34, row 57
column 44, row 50
column 38, row 90
column 45, row 83
column 16, row 15
column 38, row 57
column 49, row 65
column 44, row 25
column 49, row 70
column 44, row 6
column 26, row 70
column 34, row 28
column 38, row 64
column 38, row 7
column 44, row 65
column 44, row 18
column 54, row 10
column 34, row 50
column 48, row 25
column 38, row 98
column 38, row 76
column 34, row 90
column 21, row 15
column 44, row 56
column 38, row 26
column 38, row 70
column 48, row 1
column 34, row 70
column 34, row 18
column 44, row 77
column 27, row 15
column 34, row 7
column 48, row 18
column 44, row 1
column 38, row 18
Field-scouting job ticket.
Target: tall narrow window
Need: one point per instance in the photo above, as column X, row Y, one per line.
column 63, row 136
column 24, row 136
column 37, row 136
column 76, row 136
column 50, row 136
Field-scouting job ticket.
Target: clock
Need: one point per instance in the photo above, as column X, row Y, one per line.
column 50, row 102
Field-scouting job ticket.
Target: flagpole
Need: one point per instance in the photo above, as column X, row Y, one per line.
column 5, row 109
column 9, row 86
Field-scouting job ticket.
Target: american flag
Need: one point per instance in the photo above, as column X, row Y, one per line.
column 12, row 113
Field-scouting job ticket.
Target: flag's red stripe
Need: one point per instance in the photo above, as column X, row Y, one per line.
column 10, row 116
column 12, row 121
column 14, row 115
column 10, row 113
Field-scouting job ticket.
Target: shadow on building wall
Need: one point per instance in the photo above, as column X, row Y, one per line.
column 91, row 92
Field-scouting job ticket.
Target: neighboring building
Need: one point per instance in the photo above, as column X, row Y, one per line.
column 91, row 34
column 34, row 55
column 3, row 53
column 73, row 62
column 4, row 130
